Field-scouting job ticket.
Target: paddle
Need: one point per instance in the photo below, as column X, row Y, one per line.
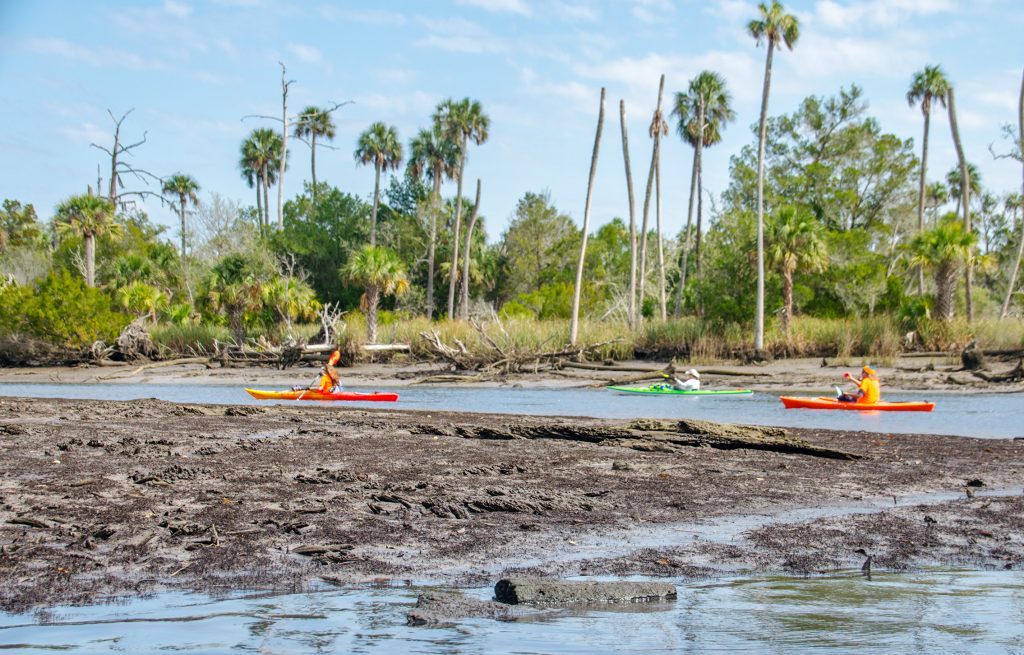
column 308, row 387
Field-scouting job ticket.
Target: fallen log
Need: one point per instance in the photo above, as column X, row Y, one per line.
column 169, row 362
column 514, row 591
column 386, row 347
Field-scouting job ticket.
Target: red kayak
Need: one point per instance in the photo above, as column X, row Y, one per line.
column 794, row 402
column 315, row 394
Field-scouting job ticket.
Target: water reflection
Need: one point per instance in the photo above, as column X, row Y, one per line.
column 943, row 610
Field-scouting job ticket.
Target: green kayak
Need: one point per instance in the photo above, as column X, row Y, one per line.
column 665, row 390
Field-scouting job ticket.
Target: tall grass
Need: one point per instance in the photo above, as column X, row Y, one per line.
column 188, row 339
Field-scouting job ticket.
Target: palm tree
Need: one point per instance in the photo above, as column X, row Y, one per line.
column 941, row 249
column 464, row 299
column 936, row 195
column 88, row 217
column 953, row 183
column 432, row 154
column 631, row 307
column 314, row 123
column 965, row 187
column 380, row 146
column 381, row 272
column 233, row 290
column 184, row 189
column 261, row 158
column 460, row 121
column 794, row 242
column 574, row 319
column 142, row 299
column 928, row 84
column 774, row 27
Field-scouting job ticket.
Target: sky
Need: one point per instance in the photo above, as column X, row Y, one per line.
column 194, row 70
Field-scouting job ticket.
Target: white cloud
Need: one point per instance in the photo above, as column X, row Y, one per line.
column 887, row 13
column 1001, row 99
column 732, row 10
column 849, row 58
column 651, row 11
column 86, row 133
column 179, row 9
column 104, row 56
column 503, row 6
column 306, row 53
column 394, row 76
column 574, row 11
column 460, row 35
column 368, row 16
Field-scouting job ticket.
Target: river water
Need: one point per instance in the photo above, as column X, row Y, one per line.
column 926, row 612
column 975, row 415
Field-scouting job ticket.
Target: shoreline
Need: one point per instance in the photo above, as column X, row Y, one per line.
column 123, row 498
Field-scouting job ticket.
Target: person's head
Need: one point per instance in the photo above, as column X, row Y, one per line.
column 692, row 373
column 867, row 371
column 335, row 356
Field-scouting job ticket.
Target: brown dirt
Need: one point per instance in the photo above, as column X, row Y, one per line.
column 124, row 498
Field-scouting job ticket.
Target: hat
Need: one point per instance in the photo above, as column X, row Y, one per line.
column 692, row 372
column 867, row 369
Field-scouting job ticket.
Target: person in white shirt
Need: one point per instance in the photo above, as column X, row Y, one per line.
column 690, row 383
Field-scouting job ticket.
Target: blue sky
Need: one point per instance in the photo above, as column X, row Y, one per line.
column 192, row 69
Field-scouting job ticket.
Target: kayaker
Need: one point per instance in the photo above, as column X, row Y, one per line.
column 869, row 390
column 330, row 378
column 691, row 383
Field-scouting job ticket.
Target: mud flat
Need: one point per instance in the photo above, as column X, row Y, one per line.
column 100, row 499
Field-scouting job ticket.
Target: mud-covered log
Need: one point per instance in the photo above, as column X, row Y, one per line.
column 515, row 591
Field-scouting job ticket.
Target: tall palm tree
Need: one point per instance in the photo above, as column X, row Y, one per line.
column 88, row 217
column 774, row 27
column 380, row 271
column 378, row 145
column 460, row 121
column 705, row 108
column 574, row 319
column 314, row 123
column 183, row 190
column 656, row 130
column 795, row 241
column 928, row 85
column 631, row 305
column 261, row 158
column 964, row 201
column 432, row 154
column 941, row 249
column 936, row 195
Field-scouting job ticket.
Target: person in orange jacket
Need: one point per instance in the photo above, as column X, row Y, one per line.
column 869, row 389
column 330, row 378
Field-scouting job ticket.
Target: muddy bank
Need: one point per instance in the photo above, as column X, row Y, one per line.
column 106, row 498
column 937, row 373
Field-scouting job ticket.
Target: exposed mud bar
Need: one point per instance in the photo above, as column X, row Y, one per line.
column 111, row 498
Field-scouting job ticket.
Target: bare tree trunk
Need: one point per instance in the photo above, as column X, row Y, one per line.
column 965, row 200
column 372, row 300
column 632, row 219
column 762, row 131
column 464, row 302
column 284, row 147
column 656, row 136
column 312, row 163
column 686, row 242
column 435, row 208
column 266, row 199
column 926, row 109
column 787, row 298
column 454, row 269
column 700, row 186
column 574, row 319
column 1020, row 247
column 376, row 203
column 181, row 211
column 661, row 247
column 259, row 200
column 90, row 260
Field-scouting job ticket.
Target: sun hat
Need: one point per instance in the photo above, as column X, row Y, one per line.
column 867, row 369
column 693, row 372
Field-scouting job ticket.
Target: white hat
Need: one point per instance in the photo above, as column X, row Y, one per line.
column 693, row 372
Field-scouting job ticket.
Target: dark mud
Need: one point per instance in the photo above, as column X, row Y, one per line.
column 99, row 499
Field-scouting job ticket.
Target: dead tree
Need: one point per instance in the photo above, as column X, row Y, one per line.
column 119, row 167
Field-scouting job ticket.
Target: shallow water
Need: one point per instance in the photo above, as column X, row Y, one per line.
column 931, row 611
column 975, row 415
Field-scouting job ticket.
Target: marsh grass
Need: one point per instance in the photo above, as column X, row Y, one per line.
column 188, row 339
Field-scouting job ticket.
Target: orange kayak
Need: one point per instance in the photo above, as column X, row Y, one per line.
column 314, row 394
column 794, row 402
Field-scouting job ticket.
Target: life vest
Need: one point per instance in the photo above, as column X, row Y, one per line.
column 870, row 390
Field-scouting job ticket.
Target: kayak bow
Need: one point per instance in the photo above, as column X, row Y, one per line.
column 316, row 394
column 794, row 402
column 665, row 390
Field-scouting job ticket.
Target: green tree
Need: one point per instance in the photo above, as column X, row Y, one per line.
column 382, row 274
column 437, row 157
column 773, row 27
column 704, row 109
column 314, row 123
column 794, row 241
column 141, row 299
column 183, row 190
column 234, row 288
column 460, row 121
column 88, row 217
column 260, row 162
column 942, row 249
column 953, row 184
column 19, row 225
column 378, row 145
column 537, row 247
column 928, row 84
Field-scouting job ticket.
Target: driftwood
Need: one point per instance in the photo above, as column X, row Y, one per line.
column 1015, row 375
column 134, row 342
column 168, row 362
